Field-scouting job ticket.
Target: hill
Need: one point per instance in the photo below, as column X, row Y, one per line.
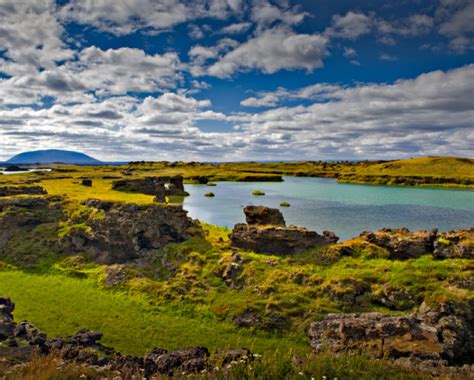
column 52, row 156
column 424, row 166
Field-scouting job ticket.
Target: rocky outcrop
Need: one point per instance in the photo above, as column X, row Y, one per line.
column 278, row 241
column 455, row 244
column 8, row 191
column 401, row 243
column 127, row 231
column 85, row 348
column 261, row 215
column 19, row 215
column 160, row 187
column 442, row 334
column 266, row 233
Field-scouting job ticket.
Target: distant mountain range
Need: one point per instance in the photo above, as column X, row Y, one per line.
column 52, row 156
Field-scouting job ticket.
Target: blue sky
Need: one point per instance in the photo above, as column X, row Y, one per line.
column 237, row 79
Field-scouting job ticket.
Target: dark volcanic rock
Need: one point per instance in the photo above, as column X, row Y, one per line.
column 7, row 191
column 443, row 334
column 277, row 240
column 455, row 244
column 401, row 243
column 163, row 362
column 19, row 215
column 160, row 187
column 261, row 215
column 86, row 182
column 128, row 230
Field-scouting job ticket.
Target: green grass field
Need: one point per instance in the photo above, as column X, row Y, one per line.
column 60, row 305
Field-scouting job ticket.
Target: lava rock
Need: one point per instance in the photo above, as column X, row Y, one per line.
column 261, row 215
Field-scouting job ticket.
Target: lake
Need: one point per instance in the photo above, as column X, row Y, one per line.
column 323, row 204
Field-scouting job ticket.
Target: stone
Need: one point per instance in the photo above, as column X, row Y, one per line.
column 280, row 241
column 347, row 292
column 163, row 362
column 86, row 182
column 455, row 244
column 261, row 215
column 402, row 244
column 87, row 338
column 234, row 355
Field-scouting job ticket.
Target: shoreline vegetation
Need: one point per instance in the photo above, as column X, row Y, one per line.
column 75, row 253
column 443, row 172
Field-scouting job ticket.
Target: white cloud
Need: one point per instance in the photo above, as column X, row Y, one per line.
column 388, row 57
column 265, row 14
column 113, row 71
column 268, row 100
column 352, row 25
column 30, row 36
column 237, row 28
column 457, row 23
column 273, row 50
column 122, row 17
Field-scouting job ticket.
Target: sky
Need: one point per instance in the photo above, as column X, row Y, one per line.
column 234, row 80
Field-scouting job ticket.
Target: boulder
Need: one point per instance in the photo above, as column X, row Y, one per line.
column 443, row 334
column 278, row 241
column 261, row 215
column 128, row 231
column 159, row 361
column 86, row 182
column 455, row 244
column 401, row 243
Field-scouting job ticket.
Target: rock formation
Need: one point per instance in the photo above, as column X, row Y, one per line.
column 261, row 215
column 8, row 191
column 260, row 236
column 127, row 230
column 403, row 244
column 442, row 334
column 85, row 348
column 455, row 244
column 18, row 215
column 86, row 182
column 160, row 187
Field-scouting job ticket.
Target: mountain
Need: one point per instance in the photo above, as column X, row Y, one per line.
column 52, row 156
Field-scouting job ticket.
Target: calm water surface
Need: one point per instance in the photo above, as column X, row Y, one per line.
column 323, row 204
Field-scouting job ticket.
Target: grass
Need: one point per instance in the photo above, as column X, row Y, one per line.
column 210, row 194
column 61, row 305
column 284, row 204
column 258, row 193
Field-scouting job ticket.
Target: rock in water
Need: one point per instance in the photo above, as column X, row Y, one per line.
column 261, row 215
column 266, row 233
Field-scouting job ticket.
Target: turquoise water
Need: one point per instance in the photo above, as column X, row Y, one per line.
column 323, row 204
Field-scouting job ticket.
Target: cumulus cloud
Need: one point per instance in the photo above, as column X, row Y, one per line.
column 352, row 25
column 30, row 36
column 101, row 72
column 237, row 28
column 273, row 50
column 457, row 23
column 122, row 17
